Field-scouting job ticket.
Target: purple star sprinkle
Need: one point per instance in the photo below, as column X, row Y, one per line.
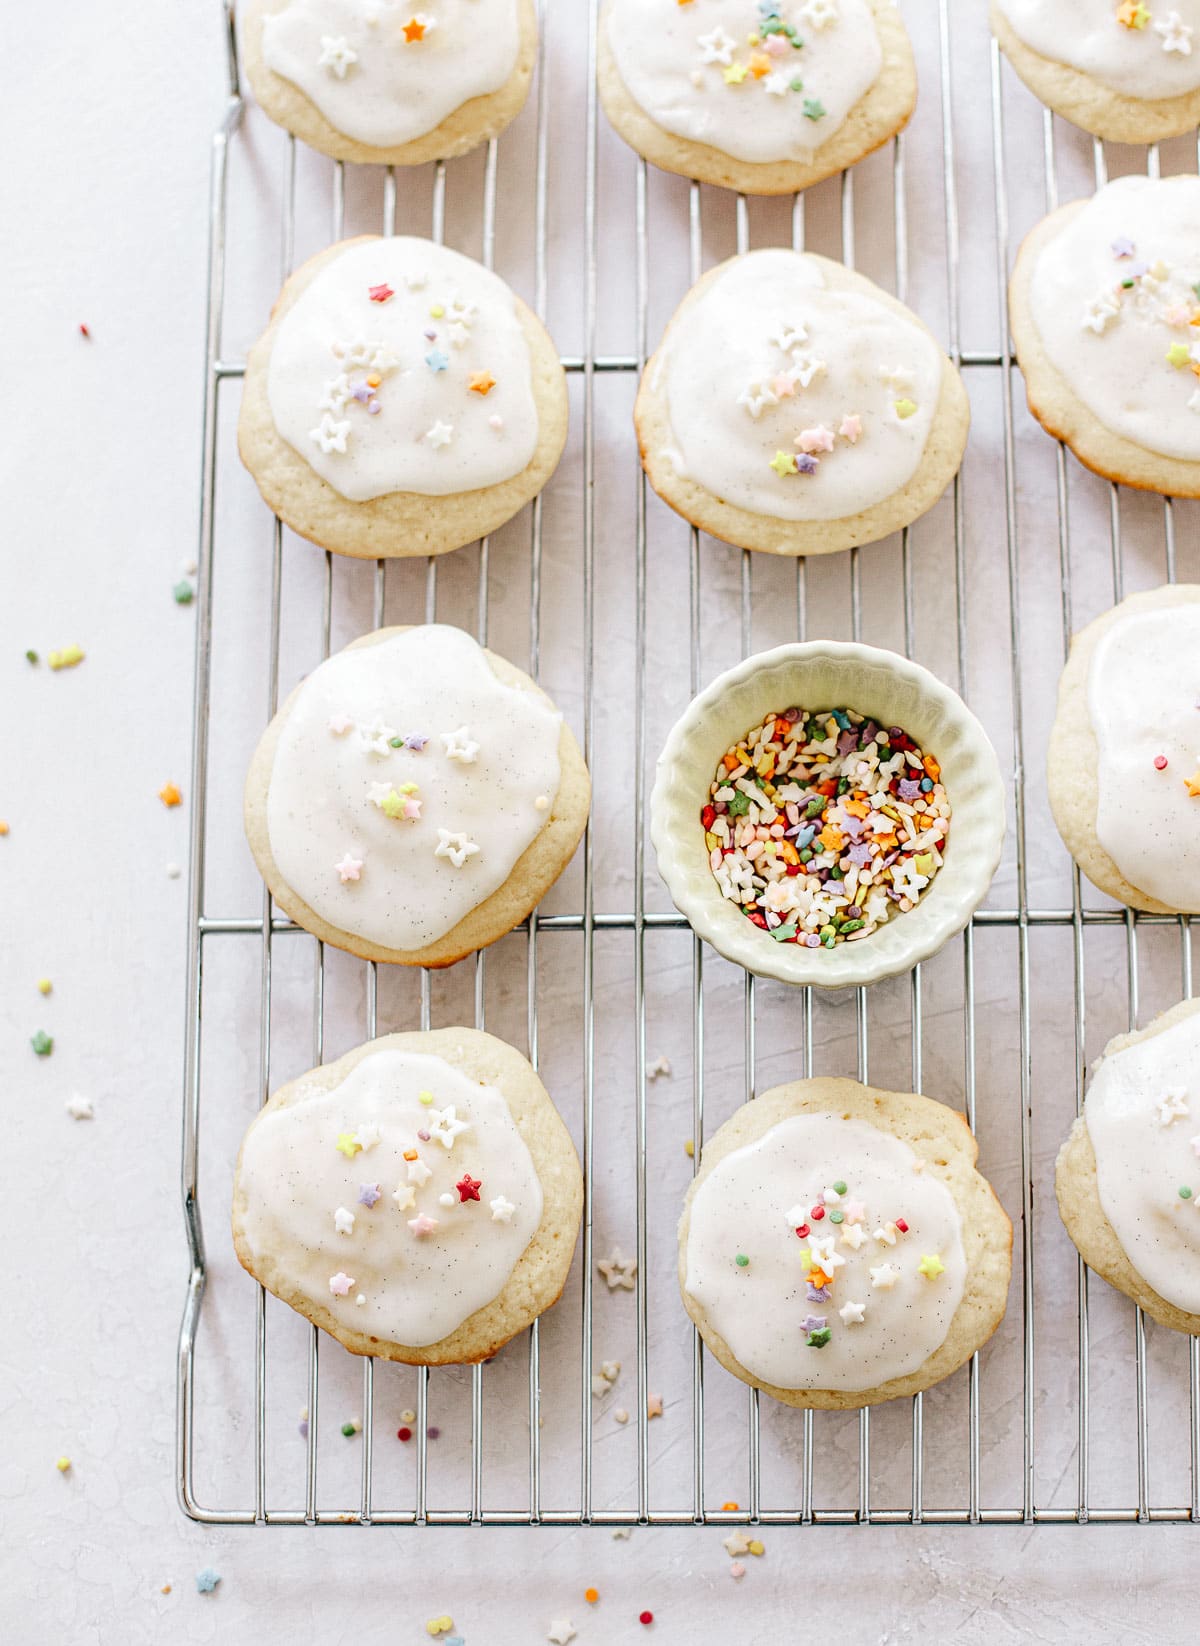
column 1122, row 246
column 853, row 826
column 818, row 1294
column 910, row 788
column 806, row 464
column 847, row 742
column 860, row 856
column 368, row 1194
column 415, row 741
column 361, row 393
column 812, row 1323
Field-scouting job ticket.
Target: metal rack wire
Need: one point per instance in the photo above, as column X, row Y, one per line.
column 834, row 1469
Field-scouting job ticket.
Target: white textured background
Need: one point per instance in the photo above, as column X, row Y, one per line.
column 108, row 111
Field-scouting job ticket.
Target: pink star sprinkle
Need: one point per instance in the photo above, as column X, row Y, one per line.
column 412, row 810
column 776, row 45
column 819, row 439
column 850, row 427
column 421, row 1225
column 350, row 868
column 784, row 386
column 380, row 294
column 340, row 1284
column 340, row 724
column 854, row 1211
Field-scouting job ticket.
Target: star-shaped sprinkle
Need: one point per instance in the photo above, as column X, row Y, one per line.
column 783, row 463
column 787, row 334
column 1172, row 1105
column 905, row 409
column 1176, row 34
column 737, row 1543
column 618, row 1270
column 824, row 1256
column 735, row 74
column 331, row 433
column 437, row 360
column 415, row 28
column 931, row 1266
column 654, row 1406
column 814, row 109
column 716, row 47
column 368, row 1135
column 850, row 427
column 757, row 395
column 1192, row 783
column 445, row 1125
column 812, row 1323
column 418, row 1173
column 441, row 434
column 468, row 1188
column 405, row 1197
column 340, row 724
column 1178, row 355
column 502, row 1209
column 459, row 746
column 377, row 737
column 481, row 383
column 885, row 1276
column 349, row 868
column 455, row 846
column 852, row 1236
column 852, row 1313
column 80, row 1107
column 818, row 439
column 207, row 1580
column 1123, row 246
column 170, row 795
column 807, row 368
column 340, row 1283
column 561, row 1630
column 380, row 294
column 895, row 379
column 336, row 55
column 778, row 84
column 1133, row 14
column 343, row 1221
column 819, row 14
column 368, row 1194
column 855, row 1211
column 885, row 1234
column 348, row 1144
column 422, row 1225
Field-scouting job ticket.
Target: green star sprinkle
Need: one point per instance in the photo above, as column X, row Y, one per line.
column 814, row 109
column 818, row 1340
column 184, row 593
column 42, row 1043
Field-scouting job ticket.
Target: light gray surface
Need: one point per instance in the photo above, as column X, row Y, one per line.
column 111, row 208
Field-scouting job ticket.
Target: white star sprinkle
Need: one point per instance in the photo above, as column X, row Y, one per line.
column 852, row 1236
column 1172, row 1105
column 335, row 395
column 367, row 1136
column 445, row 1125
column 458, row 746
column 717, row 47
column 343, row 1221
column 336, row 55
column 80, row 1107
column 778, row 84
column 819, row 14
column 405, row 1196
column 456, row 846
column 331, row 435
column 418, row 1173
column 441, row 434
column 885, row 1276
column 824, row 1256
column 340, row 724
column 885, row 1235
column 1100, row 313
column 787, row 335
column 852, row 1313
column 895, row 379
column 757, row 395
column 618, row 1270
column 1176, row 34
column 458, row 334
column 561, row 1630
column 807, row 368
column 377, row 737
column 502, row 1209
column 417, row 281
column 737, row 1543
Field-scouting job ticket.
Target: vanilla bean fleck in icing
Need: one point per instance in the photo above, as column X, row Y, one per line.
column 402, row 1198
column 853, row 1257
column 1143, row 1117
column 1146, row 50
column 761, row 82
column 403, row 367
column 1144, row 708
column 375, row 816
column 792, row 398
column 1115, row 297
column 385, row 73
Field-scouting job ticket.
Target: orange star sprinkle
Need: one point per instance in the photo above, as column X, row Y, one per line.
column 832, row 839
column 482, row 383
column 1193, row 783
column 760, row 64
column 170, row 795
column 414, row 30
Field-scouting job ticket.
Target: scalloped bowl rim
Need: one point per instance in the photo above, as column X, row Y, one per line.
column 930, row 711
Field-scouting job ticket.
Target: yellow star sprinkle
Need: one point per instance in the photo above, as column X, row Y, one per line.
column 1178, row 354
column 1133, row 14
column 735, row 74
column 482, row 382
column 931, row 1266
column 1193, row 783
column 783, row 463
column 348, row 1144
column 905, row 408
column 923, row 863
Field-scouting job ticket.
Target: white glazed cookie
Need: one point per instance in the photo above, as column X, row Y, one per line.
column 379, row 81
column 762, row 97
column 402, row 401
column 796, row 408
column 415, row 797
column 1125, row 70
column 1128, row 1175
column 1105, row 304
column 419, row 1198
column 1123, row 764
column 838, row 1247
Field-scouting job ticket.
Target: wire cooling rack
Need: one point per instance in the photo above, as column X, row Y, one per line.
column 1079, row 1409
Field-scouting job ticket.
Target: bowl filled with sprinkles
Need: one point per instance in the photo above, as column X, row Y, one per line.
column 827, row 813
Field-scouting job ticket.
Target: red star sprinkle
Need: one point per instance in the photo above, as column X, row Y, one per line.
column 468, row 1187
column 380, row 294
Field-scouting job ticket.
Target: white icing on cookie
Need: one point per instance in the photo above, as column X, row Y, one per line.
column 300, row 1166
column 726, row 72
column 1154, row 53
column 1143, row 1117
column 386, row 73
column 433, row 835
column 1113, row 296
column 424, row 387
column 793, row 399
column 751, row 1204
column 1144, row 705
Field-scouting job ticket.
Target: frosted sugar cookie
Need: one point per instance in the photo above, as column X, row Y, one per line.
column 838, row 1247
column 377, row 81
column 402, row 401
column 414, row 797
column 1126, row 70
column 1105, row 304
column 419, row 1199
column 1123, row 765
column 762, row 97
column 794, row 407
column 1128, row 1175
